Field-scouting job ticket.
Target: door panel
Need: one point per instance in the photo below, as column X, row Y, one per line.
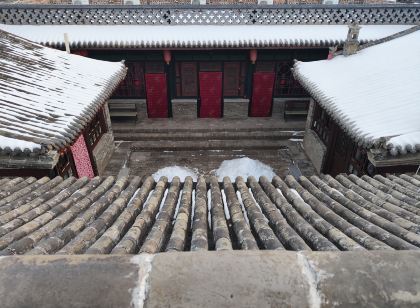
column 210, row 94
column 157, row 95
column 262, row 94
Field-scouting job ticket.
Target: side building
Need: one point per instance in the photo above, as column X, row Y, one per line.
column 365, row 116
column 54, row 119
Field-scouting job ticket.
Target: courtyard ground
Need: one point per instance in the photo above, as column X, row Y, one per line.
column 203, row 144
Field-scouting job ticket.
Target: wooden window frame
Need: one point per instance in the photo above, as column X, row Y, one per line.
column 132, row 87
column 96, row 129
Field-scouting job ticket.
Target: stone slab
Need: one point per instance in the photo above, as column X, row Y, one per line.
column 314, row 149
column 214, row 279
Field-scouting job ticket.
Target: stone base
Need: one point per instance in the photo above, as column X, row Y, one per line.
column 278, row 105
column 184, row 108
column 235, row 108
column 315, row 149
column 141, row 106
column 103, row 151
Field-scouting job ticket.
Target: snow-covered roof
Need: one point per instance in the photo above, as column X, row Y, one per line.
column 48, row 96
column 374, row 94
column 210, row 36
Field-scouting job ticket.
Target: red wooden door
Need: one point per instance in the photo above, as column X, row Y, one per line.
column 262, row 94
column 210, row 94
column 156, row 95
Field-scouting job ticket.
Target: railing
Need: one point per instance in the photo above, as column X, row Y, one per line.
column 209, row 15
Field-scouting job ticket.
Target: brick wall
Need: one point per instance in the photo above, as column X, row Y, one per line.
column 218, row 2
column 210, row 2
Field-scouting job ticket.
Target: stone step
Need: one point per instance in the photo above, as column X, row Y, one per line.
column 167, row 127
column 208, row 135
column 194, row 145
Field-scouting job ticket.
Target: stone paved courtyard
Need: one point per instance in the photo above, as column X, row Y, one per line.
column 203, row 144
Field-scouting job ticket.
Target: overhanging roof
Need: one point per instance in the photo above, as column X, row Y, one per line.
column 374, row 94
column 48, row 96
column 210, row 36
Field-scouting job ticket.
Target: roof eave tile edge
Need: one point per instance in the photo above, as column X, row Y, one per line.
column 331, row 108
column 101, row 99
column 277, row 43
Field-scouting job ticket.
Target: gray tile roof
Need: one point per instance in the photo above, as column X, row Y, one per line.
column 48, row 96
column 133, row 215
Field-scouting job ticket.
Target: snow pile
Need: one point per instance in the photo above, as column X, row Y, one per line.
column 244, row 167
column 172, row 171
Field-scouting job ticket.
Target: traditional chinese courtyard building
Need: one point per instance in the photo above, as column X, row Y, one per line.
column 366, row 111
column 205, row 61
column 53, row 119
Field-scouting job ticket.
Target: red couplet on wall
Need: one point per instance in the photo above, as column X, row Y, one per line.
column 210, row 94
column 262, row 94
column 81, row 158
column 156, row 95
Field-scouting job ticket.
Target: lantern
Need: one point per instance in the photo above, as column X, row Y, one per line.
column 253, row 55
column 167, row 56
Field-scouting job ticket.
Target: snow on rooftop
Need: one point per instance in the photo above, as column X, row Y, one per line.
column 48, row 96
column 134, row 36
column 374, row 95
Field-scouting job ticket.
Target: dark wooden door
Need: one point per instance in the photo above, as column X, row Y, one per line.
column 262, row 94
column 210, row 94
column 156, row 95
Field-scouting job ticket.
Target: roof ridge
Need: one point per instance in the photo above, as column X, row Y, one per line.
column 390, row 37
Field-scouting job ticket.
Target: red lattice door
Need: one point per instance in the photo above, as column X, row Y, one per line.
column 262, row 94
column 156, row 95
column 210, row 94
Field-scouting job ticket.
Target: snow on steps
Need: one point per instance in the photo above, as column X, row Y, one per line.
column 208, row 135
column 178, row 145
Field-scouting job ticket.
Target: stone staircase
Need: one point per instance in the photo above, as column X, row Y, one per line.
column 166, row 139
column 203, row 144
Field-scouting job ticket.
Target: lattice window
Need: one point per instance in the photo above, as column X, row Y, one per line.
column 197, row 15
column 286, row 84
column 186, row 79
column 133, row 85
column 96, row 128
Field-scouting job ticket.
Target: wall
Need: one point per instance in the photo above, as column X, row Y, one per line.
column 103, row 151
column 105, row 147
column 312, row 144
column 184, row 108
column 235, row 108
column 209, row 2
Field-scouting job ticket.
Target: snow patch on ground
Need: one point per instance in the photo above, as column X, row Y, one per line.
column 244, row 167
column 172, row 171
